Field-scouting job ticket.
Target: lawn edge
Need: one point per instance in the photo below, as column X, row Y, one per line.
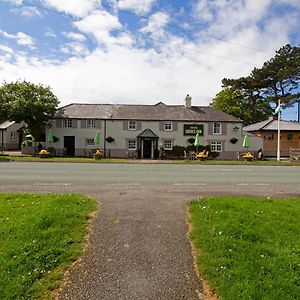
column 55, row 294
column 208, row 292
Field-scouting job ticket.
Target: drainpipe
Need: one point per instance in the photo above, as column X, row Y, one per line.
column 104, row 138
column 299, row 111
column 2, row 139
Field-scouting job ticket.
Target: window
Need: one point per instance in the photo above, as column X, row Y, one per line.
column 216, row 128
column 13, row 137
column 90, row 124
column 269, row 137
column 131, row 125
column 168, row 145
column 132, row 145
column 67, row 123
column 89, row 142
column 290, row 137
column 168, row 126
column 216, row 146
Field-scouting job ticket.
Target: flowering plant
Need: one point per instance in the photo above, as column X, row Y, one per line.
column 248, row 155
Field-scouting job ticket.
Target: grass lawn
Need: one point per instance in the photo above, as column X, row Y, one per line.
column 66, row 159
column 123, row 160
column 40, row 236
column 247, row 247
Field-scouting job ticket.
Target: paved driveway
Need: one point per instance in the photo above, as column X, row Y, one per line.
column 139, row 247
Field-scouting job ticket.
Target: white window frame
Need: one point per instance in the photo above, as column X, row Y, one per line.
column 168, row 145
column 216, row 146
column 217, row 128
column 90, row 123
column 132, row 125
column 89, row 142
column 132, row 145
column 168, row 126
column 67, row 123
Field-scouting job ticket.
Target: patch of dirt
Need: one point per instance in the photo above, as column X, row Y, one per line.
column 208, row 293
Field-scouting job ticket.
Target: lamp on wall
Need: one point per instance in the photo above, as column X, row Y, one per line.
column 236, row 128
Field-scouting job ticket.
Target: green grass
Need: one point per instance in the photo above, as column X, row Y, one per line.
column 123, row 160
column 248, row 248
column 67, row 159
column 40, row 236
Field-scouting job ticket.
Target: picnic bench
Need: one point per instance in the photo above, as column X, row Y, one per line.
column 294, row 154
column 239, row 155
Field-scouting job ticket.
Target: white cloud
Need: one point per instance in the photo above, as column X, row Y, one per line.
column 156, row 24
column 15, row 2
column 49, row 32
column 226, row 17
column 74, row 36
column 29, row 12
column 21, row 38
column 75, row 49
column 78, row 8
column 140, row 7
column 125, row 72
column 100, row 24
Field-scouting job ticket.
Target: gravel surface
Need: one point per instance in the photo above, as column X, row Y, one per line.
column 139, row 249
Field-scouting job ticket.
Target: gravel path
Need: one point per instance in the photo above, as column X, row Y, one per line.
column 139, row 249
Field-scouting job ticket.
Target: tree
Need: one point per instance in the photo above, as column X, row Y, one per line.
column 28, row 102
column 257, row 93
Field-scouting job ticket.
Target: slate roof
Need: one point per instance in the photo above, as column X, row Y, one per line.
column 157, row 112
column 147, row 133
column 272, row 125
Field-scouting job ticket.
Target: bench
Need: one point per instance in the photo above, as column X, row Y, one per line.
column 294, row 154
column 239, row 155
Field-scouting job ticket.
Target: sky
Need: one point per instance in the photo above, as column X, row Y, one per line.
column 141, row 51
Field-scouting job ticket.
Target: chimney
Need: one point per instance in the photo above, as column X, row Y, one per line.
column 187, row 101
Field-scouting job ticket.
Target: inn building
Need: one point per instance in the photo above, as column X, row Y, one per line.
column 140, row 131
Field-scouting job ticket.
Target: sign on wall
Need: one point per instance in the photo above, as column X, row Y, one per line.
column 192, row 130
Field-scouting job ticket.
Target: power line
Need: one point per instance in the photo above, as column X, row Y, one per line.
column 25, row 3
column 170, row 25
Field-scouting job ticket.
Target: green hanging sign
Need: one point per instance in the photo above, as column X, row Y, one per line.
column 192, row 130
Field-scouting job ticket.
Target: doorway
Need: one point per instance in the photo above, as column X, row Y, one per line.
column 147, row 148
column 69, row 145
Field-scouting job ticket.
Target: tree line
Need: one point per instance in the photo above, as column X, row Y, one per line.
column 32, row 103
column 253, row 98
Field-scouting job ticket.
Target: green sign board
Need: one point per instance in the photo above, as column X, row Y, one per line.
column 192, row 130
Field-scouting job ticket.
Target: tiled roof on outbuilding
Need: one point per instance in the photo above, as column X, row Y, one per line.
column 157, row 112
column 272, row 124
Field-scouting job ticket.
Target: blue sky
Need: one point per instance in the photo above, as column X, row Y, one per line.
column 141, row 51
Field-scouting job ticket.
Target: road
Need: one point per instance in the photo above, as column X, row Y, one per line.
column 139, row 247
column 80, row 177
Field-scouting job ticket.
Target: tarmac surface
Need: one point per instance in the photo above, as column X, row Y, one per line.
column 138, row 246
